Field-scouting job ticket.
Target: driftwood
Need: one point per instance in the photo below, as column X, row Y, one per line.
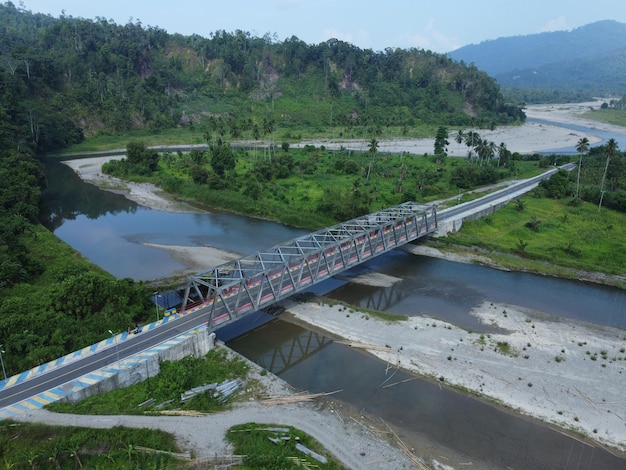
column 300, row 397
column 405, row 449
column 356, row 344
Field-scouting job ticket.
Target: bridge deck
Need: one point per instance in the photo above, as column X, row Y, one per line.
column 248, row 284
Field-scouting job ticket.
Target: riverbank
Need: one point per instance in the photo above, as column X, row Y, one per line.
column 353, row 441
column 565, row 373
column 529, row 137
column 144, row 194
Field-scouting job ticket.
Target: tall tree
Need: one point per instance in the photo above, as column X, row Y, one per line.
column 503, row 153
column 611, row 150
column 373, row 148
column 472, row 141
column 581, row 147
column 459, row 137
column 441, row 143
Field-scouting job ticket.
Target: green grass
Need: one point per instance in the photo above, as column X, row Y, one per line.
column 26, row 446
column 579, row 238
column 196, row 136
column 610, row 116
column 253, row 441
column 173, row 379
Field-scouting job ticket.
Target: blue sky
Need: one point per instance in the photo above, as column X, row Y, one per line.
column 437, row 25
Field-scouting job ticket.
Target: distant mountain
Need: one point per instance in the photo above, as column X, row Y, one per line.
column 591, row 59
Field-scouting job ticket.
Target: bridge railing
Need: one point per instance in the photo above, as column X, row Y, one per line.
column 250, row 283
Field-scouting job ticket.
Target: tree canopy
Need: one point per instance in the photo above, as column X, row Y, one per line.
column 66, row 77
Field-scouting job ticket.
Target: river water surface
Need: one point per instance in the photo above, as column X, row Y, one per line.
column 110, row 231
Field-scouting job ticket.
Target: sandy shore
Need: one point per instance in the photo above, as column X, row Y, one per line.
column 197, row 258
column 553, row 370
column 144, row 194
column 567, row 373
column 528, row 138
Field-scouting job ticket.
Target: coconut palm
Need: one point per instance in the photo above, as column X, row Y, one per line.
column 459, row 137
column 611, row 150
column 503, row 152
column 581, row 147
column 491, row 149
column 472, row 140
column 373, row 148
column 485, row 150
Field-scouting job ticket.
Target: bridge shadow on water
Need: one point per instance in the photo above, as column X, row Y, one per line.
column 428, row 416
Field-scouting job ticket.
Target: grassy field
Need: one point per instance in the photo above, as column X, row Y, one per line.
column 610, row 116
column 197, row 136
column 548, row 233
column 271, row 446
column 35, row 446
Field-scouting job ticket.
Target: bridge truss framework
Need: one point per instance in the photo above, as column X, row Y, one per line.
column 234, row 289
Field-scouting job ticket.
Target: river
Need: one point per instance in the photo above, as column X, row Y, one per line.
column 434, row 420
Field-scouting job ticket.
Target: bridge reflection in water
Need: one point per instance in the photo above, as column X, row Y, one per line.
column 281, row 349
column 232, row 290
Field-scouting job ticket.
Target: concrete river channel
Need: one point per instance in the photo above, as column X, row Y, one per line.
column 434, row 420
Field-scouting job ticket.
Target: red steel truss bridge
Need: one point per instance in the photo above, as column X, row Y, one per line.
column 246, row 285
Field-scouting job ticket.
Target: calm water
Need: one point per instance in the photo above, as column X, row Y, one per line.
column 110, row 231
column 605, row 136
column 449, row 290
column 432, row 419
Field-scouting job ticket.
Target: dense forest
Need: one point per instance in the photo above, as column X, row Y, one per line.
column 65, row 77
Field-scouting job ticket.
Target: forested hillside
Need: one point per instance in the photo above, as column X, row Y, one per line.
column 68, row 77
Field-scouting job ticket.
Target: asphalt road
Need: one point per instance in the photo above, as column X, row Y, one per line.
column 503, row 193
column 102, row 358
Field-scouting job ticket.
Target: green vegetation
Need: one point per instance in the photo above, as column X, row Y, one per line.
column 67, row 305
column 173, row 379
column 505, row 348
column 72, row 77
column 315, row 187
column 274, row 447
column 29, row 446
column 573, row 236
column 53, row 301
column 610, row 115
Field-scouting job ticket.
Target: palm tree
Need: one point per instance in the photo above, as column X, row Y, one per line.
column 459, row 137
column 581, row 147
column 491, row 149
column 472, row 140
column 502, row 152
column 483, row 150
column 373, row 148
column 611, row 150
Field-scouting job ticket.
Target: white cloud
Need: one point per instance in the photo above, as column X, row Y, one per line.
column 431, row 39
column 557, row 24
